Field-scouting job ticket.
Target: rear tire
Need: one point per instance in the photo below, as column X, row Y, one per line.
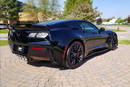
column 74, row 55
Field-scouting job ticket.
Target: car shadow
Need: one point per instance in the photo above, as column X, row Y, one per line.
column 43, row 63
column 49, row 64
column 95, row 54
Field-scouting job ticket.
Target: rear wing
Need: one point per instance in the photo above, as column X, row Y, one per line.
column 29, row 26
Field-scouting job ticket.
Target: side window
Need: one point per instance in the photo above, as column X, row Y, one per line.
column 88, row 26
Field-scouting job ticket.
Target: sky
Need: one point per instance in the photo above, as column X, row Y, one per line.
column 108, row 8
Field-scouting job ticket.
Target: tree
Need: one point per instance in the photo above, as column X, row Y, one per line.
column 9, row 9
column 128, row 19
column 54, row 6
column 69, row 4
column 119, row 20
column 113, row 17
column 99, row 21
column 43, row 5
column 83, row 11
column 108, row 19
column 29, row 7
column 20, row 6
column 46, row 8
column 49, row 8
column 105, row 20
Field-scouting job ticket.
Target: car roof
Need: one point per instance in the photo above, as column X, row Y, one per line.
column 54, row 22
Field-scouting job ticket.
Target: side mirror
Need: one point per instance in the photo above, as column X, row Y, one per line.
column 101, row 30
column 4, row 26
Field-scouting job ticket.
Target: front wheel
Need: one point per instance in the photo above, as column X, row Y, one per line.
column 74, row 55
column 113, row 43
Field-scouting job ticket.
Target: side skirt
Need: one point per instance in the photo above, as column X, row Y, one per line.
column 97, row 51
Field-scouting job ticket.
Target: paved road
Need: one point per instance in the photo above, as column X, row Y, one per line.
column 111, row 69
column 3, row 36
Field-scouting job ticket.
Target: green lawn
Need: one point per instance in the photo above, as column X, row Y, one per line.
column 116, row 30
column 122, row 25
column 127, row 42
column 3, row 42
column 4, row 31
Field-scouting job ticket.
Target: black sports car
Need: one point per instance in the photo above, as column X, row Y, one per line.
column 63, row 42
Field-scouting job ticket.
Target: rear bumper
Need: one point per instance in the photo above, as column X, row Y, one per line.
column 43, row 50
column 35, row 50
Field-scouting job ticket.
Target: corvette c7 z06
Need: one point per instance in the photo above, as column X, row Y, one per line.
column 63, row 42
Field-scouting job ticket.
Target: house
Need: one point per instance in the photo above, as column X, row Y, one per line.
column 113, row 21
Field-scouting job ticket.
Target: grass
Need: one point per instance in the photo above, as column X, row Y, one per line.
column 122, row 25
column 4, row 31
column 126, row 42
column 115, row 30
column 3, row 42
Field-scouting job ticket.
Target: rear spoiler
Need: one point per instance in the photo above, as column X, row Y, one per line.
column 29, row 26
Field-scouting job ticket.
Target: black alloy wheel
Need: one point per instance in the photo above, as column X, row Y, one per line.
column 113, row 42
column 75, row 55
